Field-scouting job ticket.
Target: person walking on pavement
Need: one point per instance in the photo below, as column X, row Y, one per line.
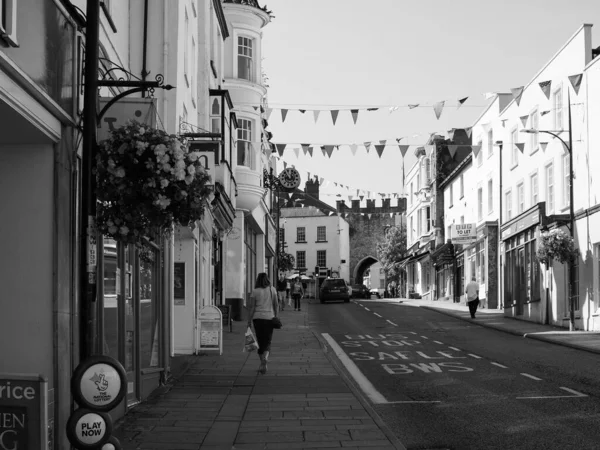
column 472, row 292
column 262, row 307
column 297, row 293
column 281, row 291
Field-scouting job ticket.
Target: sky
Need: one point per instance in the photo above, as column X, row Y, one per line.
column 351, row 54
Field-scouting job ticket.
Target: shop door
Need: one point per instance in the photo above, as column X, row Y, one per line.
column 520, row 291
column 130, row 319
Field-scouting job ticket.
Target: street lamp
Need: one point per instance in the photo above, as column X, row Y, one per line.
column 272, row 183
column 569, row 147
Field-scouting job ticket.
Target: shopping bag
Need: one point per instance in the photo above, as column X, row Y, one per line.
column 290, row 302
column 251, row 343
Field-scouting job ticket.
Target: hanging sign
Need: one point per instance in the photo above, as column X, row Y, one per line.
column 99, row 383
column 210, row 327
column 141, row 110
column 23, row 411
column 465, row 233
column 88, row 429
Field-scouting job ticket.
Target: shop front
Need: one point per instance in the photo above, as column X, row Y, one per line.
column 523, row 288
column 444, row 264
column 480, row 259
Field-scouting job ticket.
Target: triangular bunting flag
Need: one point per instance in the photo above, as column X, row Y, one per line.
column 329, row 150
column 334, row 114
column 461, row 101
column 368, row 146
column 576, row 82
column 285, row 165
column 524, row 120
column 305, row 147
column 393, row 108
column 354, row 113
column 383, row 142
column 369, row 215
column 316, row 113
column 361, row 197
column 403, row 149
column 504, row 123
column 476, row 149
column 517, row 93
column 379, row 149
column 520, row 146
column 543, row 113
column 546, row 86
column 323, row 150
column 350, row 198
column 452, row 149
column 543, row 145
column 372, row 109
column 302, row 111
column 283, row 114
column 280, row 148
column 297, row 152
column 320, row 181
column 353, row 148
column 437, row 108
column 255, row 108
column 268, row 113
column 469, row 131
column 413, row 106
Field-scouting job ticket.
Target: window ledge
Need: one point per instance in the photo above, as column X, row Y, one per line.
column 300, row 242
column 317, row 242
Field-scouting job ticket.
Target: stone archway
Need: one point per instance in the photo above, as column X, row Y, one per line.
column 360, row 268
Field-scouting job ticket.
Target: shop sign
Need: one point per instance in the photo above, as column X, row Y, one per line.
column 465, row 233
column 23, row 412
column 140, row 109
column 99, row 383
column 88, row 429
column 533, row 218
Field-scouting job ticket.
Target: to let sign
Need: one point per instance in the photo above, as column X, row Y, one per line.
column 465, row 233
column 23, row 412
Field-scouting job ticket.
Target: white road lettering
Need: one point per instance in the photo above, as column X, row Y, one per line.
column 377, row 314
column 391, row 323
column 499, row 365
column 455, row 349
column 449, row 356
column 429, row 357
column 361, row 356
column 474, row 356
column 531, row 376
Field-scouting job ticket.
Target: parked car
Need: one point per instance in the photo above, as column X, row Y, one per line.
column 359, row 291
column 376, row 292
column 334, row 289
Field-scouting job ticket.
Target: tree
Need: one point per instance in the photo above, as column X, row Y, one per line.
column 391, row 251
column 286, row 261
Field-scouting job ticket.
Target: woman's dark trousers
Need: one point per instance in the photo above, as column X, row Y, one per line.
column 264, row 333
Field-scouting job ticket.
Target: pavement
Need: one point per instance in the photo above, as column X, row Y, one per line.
column 305, row 401
column 221, row 402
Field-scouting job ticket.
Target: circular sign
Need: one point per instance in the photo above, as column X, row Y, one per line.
column 88, row 429
column 289, row 178
column 112, row 444
column 99, row 383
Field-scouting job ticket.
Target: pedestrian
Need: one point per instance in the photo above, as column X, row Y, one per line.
column 262, row 307
column 281, row 291
column 288, row 289
column 297, row 293
column 472, row 292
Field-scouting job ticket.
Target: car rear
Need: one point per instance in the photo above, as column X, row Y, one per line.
column 334, row 289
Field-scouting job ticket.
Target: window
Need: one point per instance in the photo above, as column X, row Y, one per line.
column 322, row 258
column 508, row 203
column 480, row 154
column 428, row 218
column 566, row 180
column 596, row 278
column 427, row 171
column 480, row 262
column 520, row 198
column 244, row 143
column 281, row 236
column 185, row 47
column 451, row 193
column 490, row 188
column 514, row 150
column 215, row 116
column 419, row 222
column 480, row 203
column 412, row 193
column 301, row 235
column 149, row 307
column 301, row 260
column 550, row 188
column 321, row 235
column 472, row 262
column 449, row 235
column 575, row 287
column 193, row 71
column 462, row 185
column 245, row 59
column 412, row 230
column 533, row 181
column 557, row 107
column 490, row 136
column 462, row 220
column 418, row 182
column 534, row 138
column 8, row 22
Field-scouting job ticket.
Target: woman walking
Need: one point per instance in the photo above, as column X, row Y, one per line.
column 263, row 306
column 297, row 293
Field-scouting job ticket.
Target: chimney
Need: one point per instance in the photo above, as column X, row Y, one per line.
column 312, row 188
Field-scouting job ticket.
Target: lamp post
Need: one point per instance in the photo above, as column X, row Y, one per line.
column 500, row 145
column 272, row 183
column 569, row 147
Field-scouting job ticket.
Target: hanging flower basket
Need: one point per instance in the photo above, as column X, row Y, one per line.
column 147, row 181
column 558, row 245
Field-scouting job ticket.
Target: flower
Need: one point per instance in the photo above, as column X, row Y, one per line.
column 556, row 244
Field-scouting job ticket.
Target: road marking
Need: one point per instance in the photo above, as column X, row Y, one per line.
column 366, row 308
column 424, row 337
column 575, row 395
column 499, row 365
column 412, row 332
column 377, row 314
column 455, row 349
column 474, row 356
column 415, row 401
column 438, row 342
column 392, row 323
column 356, row 373
column 531, row 376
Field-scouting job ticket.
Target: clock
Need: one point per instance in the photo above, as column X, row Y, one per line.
column 289, row 178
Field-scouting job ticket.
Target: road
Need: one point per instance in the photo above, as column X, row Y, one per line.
column 442, row 383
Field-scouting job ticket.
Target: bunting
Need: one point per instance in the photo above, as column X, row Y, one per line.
column 403, row 149
column 546, row 87
column 334, row 115
column 268, row 113
column 283, row 114
column 543, row 145
column 461, row 101
column 316, row 113
column 354, row 113
column 368, row 146
column 280, row 148
column 520, row 146
column 305, row 148
column 413, row 106
column 379, row 148
column 524, row 120
column 576, row 82
column 437, row 108
column 353, row 148
column 517, row 93
column 452, row 149
column 476, row 149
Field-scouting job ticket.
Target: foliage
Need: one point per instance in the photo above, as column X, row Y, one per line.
column 391, row 251
column 147, row 181
column 286, row 261
column 558, row 245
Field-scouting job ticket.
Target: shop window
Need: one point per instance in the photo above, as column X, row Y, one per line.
column 111, row 290
column 472, row 263
column 250, row 256
column 575, row 286
column 481, row 262
column 149, row 307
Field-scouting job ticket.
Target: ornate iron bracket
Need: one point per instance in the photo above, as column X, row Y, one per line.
column 270, row 181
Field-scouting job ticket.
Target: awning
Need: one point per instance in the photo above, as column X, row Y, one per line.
column 443, row 255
